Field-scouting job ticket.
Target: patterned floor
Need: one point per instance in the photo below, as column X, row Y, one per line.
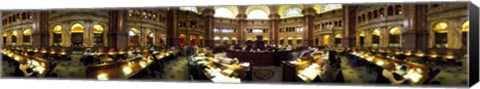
column 70, row 69
column 176, row 70
column 7, row 69
column 449, row 76
column 64, row 69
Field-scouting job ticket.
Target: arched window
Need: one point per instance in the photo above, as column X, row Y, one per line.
column 375, row 14
column 329, row 7
column 394, row 37
column 77, row 28
column 398, row 9
column 223, row 12
column 390, row 10
column 293, row 12
column 363, row 18
column 257, row 14
column 381, row 12
column 24, row 16
column 193, row 9
column 18, row 17
column 98, row 34
column 57, row 35
column 29, row 15
column 440, row 33
column 299, row 40
column 360, row 19
column 27, row 33
column 369, row 15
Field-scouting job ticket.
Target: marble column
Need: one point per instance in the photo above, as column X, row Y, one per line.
column 121, row 30
column 348, row 38
column 20, row 37
column 274, row 19
column 112, row 28
column 9, row 38
column 308, row 13
column 241, row 17
column 208, row 27
column 172, row 27
column 415, row 26
column 40, row 36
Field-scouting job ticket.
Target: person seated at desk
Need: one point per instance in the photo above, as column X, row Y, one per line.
column 24, row 69
column 104, row 59
column 388, row 74
column 327, row 74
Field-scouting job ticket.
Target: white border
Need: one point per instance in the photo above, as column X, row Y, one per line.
column 80, row 84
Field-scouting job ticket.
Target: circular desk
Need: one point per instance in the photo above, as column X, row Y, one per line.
column 264, row 58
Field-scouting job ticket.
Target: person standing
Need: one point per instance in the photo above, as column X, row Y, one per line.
column 88, row 57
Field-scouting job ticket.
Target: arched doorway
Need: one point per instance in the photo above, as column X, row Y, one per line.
column 440, row 34
column 375, row 38
column 98, row 35
column 266, row 40
column 14, row 37
column 27, row 33
column 77, row 36
column 225, row 41
column 4, row 38
column 281, row 41
column 163, row 39
column 299, row 41
column 181, row 39
column 361, row 38
column 465, row 29
column 150, row 37
column 394, row 37
column 217, row 40
column 326, row 40
column 234, row 41
column 290, row 41
column 134, row 38
column 57, row 35
column 192, row 39
column 201, row 40
column 338, row 40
